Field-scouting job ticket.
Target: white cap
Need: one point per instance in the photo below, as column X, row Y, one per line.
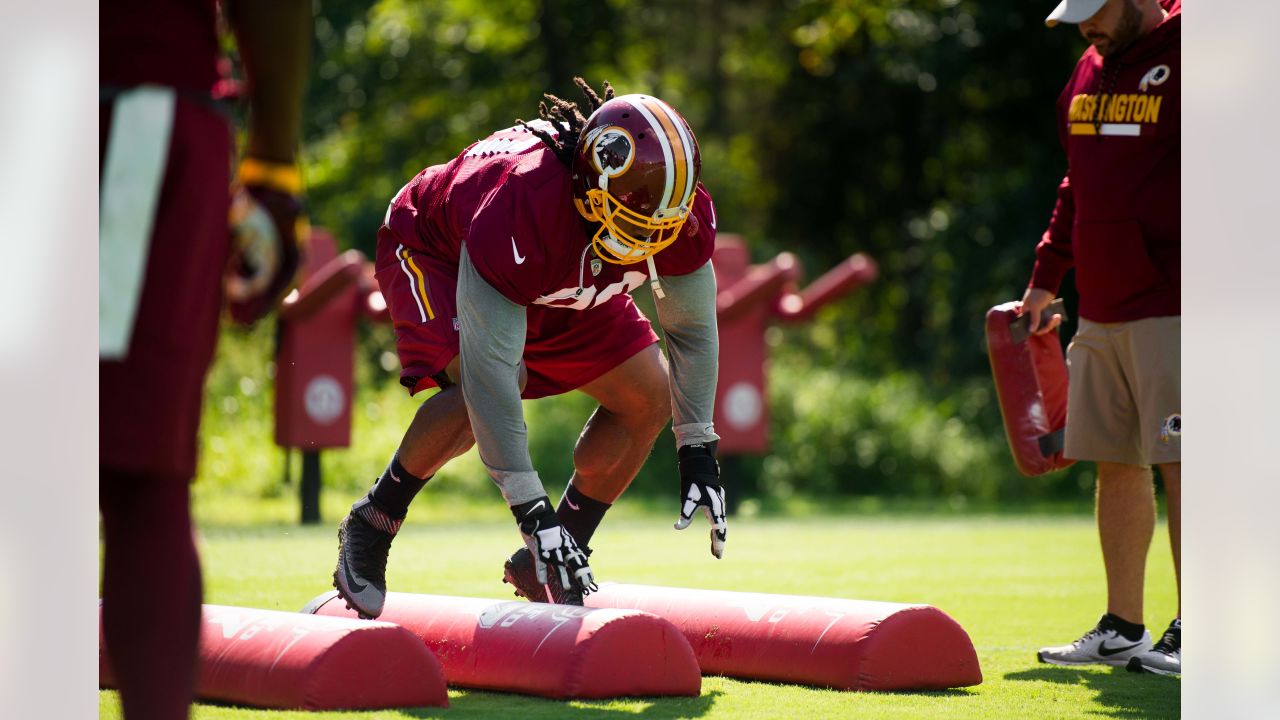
column 1074, row 11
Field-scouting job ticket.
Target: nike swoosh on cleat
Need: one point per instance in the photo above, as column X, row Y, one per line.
column 354, row 586
column 1105, row 651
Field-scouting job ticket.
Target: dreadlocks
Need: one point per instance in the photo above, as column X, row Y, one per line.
column 568, row 121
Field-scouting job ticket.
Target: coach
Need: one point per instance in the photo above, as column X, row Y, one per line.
column 1117, row 223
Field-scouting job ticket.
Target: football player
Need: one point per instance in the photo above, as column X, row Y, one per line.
column 508, row 273
column 164, row 243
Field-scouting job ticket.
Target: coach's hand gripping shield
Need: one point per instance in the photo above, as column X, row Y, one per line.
column 1031, row 380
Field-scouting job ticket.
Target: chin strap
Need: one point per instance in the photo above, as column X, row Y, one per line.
column 653, row 279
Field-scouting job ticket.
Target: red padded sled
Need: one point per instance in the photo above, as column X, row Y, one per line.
column 280, row 660
column 554, row 651
column 1031, row 381
column 828, row 642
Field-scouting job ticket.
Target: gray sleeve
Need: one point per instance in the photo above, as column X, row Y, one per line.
column 688, row 318
column 491, row 342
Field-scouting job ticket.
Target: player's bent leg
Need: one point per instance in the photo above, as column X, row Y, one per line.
column 439, row 432
column 635, row 403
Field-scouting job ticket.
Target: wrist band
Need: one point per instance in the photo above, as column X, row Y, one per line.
column 277, row 176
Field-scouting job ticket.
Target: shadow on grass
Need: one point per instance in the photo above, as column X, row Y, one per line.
column 946, row 693
column 1121, row 694
column 477, row 703
column 482, row 704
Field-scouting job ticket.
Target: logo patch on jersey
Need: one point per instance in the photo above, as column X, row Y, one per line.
column 1171, row 428
column 1155, row 76
column 596, row 266
column 612, row 151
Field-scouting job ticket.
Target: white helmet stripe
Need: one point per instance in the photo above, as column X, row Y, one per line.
column 687, row 141
column 668, row 159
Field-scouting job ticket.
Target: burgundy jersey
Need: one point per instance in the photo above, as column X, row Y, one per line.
column 509, row 199
column 160, row 42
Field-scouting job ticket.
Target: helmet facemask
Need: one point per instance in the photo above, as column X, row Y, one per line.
column 626, row 237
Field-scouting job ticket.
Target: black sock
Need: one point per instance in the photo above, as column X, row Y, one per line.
column 580, row 515
column 396, row 489
column 1131, row 631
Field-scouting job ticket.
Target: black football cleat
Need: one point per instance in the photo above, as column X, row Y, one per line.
column 519, row 571
column 364, row 543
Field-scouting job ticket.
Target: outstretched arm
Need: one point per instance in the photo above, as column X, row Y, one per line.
column 687, row 314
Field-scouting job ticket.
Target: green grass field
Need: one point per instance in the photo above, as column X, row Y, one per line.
column 1014, row 583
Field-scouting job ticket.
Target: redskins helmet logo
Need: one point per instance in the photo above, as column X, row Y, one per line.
column 1171, row 427
column 612, row 151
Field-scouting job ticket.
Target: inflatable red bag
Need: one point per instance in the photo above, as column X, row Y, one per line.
column 1031, row 381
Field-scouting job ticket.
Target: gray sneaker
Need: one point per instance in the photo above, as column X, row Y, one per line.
column 1166, row 657
column 1103, row 645
column 364, row 543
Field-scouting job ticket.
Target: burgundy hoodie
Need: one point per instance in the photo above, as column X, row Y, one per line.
column 1118, row 216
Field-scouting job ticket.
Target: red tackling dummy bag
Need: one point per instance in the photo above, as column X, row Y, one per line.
column 1031, row 381
column 281, row 660
column 827, row 642
column 555, row 651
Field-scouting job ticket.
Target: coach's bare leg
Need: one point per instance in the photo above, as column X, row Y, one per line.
column 1126, row 523
column 635, row 404
column 441, row 430
column 1171, row 473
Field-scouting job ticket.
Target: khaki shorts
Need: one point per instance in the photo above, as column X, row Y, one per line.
column 1125, row 397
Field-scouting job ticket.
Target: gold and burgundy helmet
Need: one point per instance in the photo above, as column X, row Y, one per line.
column 634, row 171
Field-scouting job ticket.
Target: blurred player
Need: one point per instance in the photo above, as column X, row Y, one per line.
column 1117, row 223
column 164, row 157
column 508, row 272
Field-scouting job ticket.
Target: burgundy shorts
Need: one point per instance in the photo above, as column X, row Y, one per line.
column 149, row 402
column 564, row 349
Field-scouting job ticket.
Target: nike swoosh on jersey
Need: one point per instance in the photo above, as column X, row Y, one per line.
column 516, row 252
column 1106, row 651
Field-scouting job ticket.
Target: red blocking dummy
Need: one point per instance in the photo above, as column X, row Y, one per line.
column 827, row 642
column 554, row 651
column 280, row 660
column 1031, row 380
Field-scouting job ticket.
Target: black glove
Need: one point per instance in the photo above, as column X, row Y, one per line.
column 267, row 228
column 700, row 488
column 552, row 546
